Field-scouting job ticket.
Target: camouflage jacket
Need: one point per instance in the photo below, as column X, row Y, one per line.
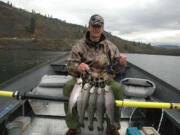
column 99, row 56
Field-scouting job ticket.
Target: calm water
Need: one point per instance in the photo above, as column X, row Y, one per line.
column 13, row 62
column 165, row 67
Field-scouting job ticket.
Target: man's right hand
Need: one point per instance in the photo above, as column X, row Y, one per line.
column 83, row 67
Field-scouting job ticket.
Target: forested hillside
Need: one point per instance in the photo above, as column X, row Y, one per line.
column 30, row 30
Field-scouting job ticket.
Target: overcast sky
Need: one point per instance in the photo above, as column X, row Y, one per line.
column 149, row 21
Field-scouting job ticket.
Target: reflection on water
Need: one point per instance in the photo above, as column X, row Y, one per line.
column 164, row 67
column 13, row 62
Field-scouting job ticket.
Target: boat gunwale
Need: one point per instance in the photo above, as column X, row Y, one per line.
column 164, row 83
column 27, row 72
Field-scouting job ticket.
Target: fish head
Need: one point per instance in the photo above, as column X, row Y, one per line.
column 99, row 90
column 79, row 81
column 86, row 86
column 92, row 89
column 107, row 88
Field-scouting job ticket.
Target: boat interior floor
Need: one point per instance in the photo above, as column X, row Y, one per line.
column 50, row 115
column 49, row 118
column 49, row 126
column 43, row 123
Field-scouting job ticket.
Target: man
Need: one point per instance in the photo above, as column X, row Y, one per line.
column 96, row 54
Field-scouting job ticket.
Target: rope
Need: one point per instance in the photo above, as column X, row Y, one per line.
column 121, row 86
column 160, row 122
column 130, row 124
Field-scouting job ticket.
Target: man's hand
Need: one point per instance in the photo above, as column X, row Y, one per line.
column 123, row 60
column 83, row 67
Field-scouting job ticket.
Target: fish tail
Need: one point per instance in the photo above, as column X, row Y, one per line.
column 100, row 128
column 91, row 128
column 81, row 124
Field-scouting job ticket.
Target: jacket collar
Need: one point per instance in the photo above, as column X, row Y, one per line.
column 89, row 42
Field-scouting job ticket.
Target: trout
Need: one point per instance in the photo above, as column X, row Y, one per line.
column 110, row 104
column 79, row 106
column 74, row 95
column 100, row 109
column 91, row 106
column 84, row 100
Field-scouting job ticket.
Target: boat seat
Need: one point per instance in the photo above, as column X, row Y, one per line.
column 51, row 85
column 56, row 81
column 60, row 67
column 46, row 107
column 47, row 91
column 138, row 88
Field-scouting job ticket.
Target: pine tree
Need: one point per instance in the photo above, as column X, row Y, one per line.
column 32, row 24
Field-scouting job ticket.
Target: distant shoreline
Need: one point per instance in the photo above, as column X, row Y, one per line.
column 33, row 49
column 152, row 53
column 36, row 44
column 57, row 50
column 60, row 45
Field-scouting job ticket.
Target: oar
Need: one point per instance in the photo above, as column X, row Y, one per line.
column 141, row 104
column 119, row 103
column 26, row 95
column 6, row 93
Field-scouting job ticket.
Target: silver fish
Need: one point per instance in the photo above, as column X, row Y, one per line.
column 110, row 104
column 74, row 95
column 79, row 107
column 91, row 106
column 100, row 109
column 84, row 100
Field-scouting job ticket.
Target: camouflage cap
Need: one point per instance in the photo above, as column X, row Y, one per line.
column 96, row 20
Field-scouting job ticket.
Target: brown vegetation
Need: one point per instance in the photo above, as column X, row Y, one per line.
column 22, row 29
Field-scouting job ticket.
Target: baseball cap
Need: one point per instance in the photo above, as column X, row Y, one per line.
column 96, row 20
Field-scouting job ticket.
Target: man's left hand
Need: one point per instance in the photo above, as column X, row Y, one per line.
column 123, row 60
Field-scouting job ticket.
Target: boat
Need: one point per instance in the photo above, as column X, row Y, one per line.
column 37, row 107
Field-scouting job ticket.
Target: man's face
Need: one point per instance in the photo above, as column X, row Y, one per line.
column 96, row 31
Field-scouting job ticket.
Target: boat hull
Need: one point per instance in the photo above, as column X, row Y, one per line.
column 11, row 108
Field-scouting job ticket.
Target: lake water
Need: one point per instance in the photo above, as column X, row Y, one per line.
column 164, row 67
column 13, row 62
